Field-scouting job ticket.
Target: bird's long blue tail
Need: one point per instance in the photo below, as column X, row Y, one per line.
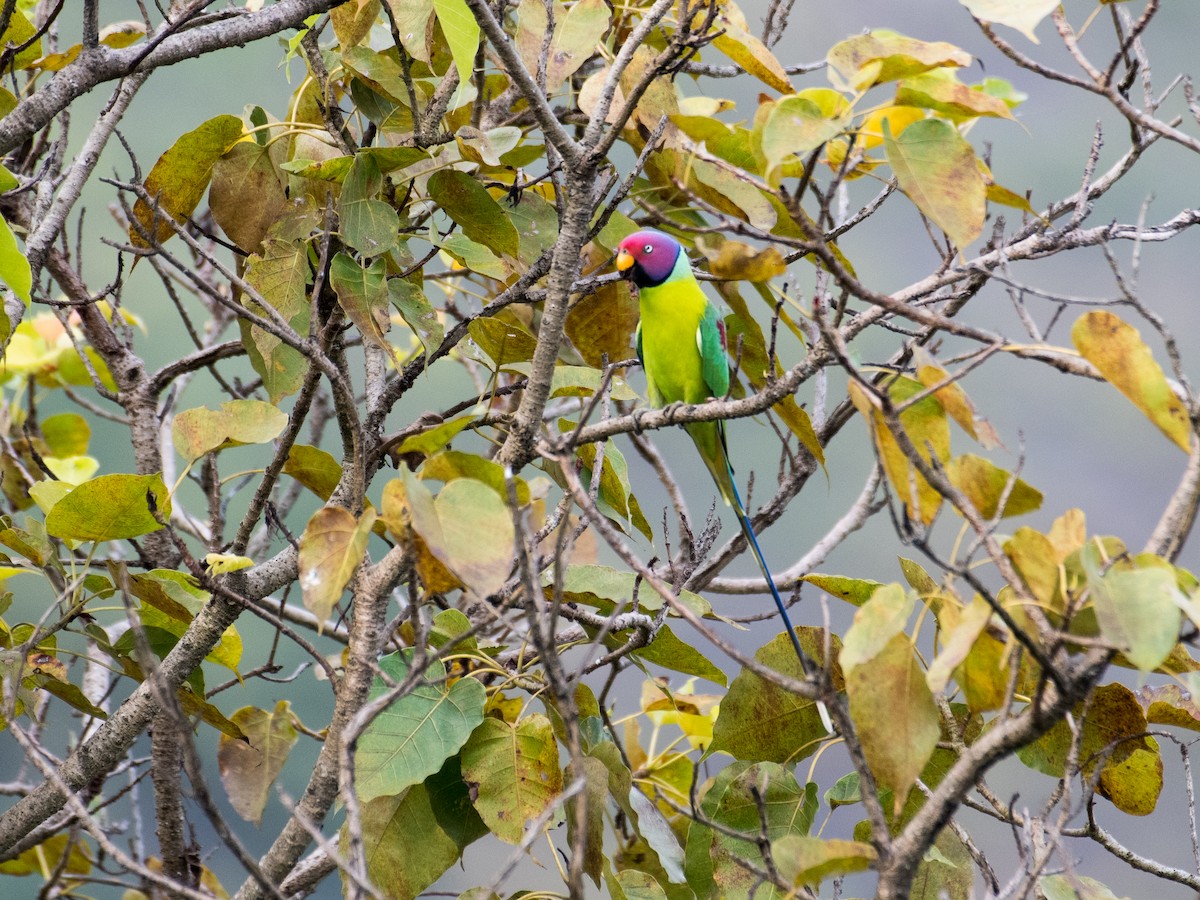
column 752, row 539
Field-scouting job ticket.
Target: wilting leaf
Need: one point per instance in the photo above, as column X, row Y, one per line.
column 248, row 193
column 735, row 40
column 936, row 168
column 577, row 32
column 249, row 767
column 741, row 262
column 876, row 622
column 1113, row 737
column 984, row 483
column 179, row 178
column 110, row 508
column 805, row 860
column 1023, row 15
column 925, row 424
column 467, row 527
column 332, row 546
column 760, row 720
column 895, row 715
column 882, row 55
column 416, row 733
column 238, row 422
column 1117, row 350
column 513, row 773
column 941, row 91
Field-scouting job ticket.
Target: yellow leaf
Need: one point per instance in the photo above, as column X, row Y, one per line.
column 1118, row 351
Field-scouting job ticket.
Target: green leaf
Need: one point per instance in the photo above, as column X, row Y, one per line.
column 19, row 31
column 110, row 508
column 604, row 588
column 668, row 651
column 462, row 34
column 66, row 434
column 881, row 55
column 937, row 169
column 947, row 870
column 746, row 801
column 434, row 439
column 894, row 714
column 656, row 831
column 760, row 720
column 280, row 275
column 410, row 301
column 853, row 591
column 414, row 736
column 1118, row 351
column 469, row 204
column 1023, row 15
column 1139, row 610
column 474, row 256
column 796, row 125
column 14, row 271
column 237, row 423
column 249, row 767
column 513, row 773
column 435, row 816
column 179, row 178
column 366, row 223
column 363, row 294
column 984, row 483
column 333, row 544
column 595, row 799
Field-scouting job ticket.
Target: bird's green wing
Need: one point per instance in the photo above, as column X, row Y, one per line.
column 710, row 338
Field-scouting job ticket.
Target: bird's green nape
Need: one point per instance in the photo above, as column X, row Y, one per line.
column 681, row 344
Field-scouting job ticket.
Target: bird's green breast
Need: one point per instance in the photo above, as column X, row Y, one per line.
column 670, row 319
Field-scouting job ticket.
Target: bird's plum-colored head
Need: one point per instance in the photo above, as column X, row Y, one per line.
column 648, row 256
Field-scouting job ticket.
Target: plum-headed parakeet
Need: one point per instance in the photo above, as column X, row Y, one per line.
column 681, row 343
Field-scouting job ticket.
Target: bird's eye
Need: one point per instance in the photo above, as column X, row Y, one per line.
column 649, row 248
